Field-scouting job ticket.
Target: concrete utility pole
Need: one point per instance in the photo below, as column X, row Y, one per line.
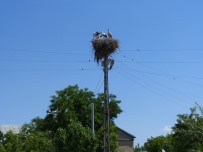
column 106, row 107
column 104, row 45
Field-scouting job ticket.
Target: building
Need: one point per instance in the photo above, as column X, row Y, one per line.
column 126, row 140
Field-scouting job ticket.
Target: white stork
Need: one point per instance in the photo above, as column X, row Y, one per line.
column 103, row 35
column 110, row 35
column 96, row 35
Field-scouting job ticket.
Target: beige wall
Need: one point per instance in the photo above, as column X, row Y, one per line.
column 125, row 149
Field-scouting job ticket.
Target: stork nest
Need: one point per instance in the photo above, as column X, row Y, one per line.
column 104, row 47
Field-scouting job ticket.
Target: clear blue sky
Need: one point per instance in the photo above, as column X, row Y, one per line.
column 45, row 44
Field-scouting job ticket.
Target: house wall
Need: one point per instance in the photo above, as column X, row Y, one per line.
column 125, row 141
column 125, row 149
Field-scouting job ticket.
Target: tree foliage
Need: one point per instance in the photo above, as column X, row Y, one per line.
column 188, row 131
column 74, row 105
column 186, row 136
column 138, row 148
column 25, row 141
column 66, row 126
column 158, row 143
column 75, row 137
column 11, row 142
column 35, row 141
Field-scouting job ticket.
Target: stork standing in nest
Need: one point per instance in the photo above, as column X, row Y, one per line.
column 103, row 35
column 109, row 35
column 96, row 35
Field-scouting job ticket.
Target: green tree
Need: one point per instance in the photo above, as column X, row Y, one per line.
column 11, row 142
column 67, row 125
column 71, row 107
column 28, row 140
column 35, row 141
column 158, row 143
column 75, row 137
column 2, row 149
column 138, row 148
column 188, row 131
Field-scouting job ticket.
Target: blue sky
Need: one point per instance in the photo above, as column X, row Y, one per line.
column 44, row 45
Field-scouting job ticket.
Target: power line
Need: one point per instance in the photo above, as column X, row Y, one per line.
column 161, row 50
column 193, row 83
column 162, row 62
column 161, row 74
column 99, row 88
column 121, row 61
column 70, row 52
column 18, row 60
column 98, row 84
column 165, row 86
column 45, row 70
column 130, row 77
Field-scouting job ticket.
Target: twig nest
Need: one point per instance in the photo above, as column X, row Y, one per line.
column 104, row 47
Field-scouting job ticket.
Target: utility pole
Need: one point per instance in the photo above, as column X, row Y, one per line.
column 92, row 117
column 104, row 45
column 106, row 106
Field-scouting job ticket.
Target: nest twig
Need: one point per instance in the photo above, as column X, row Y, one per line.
column 104, row 47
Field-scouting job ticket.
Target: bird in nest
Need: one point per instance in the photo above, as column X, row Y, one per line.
column 96, row 35
column 109, row 34
column 103, row 35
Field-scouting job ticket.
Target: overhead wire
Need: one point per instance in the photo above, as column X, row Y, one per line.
column 151, row 89
column 119, row 61
column 101, row 84
column 184, row 78
column 161, row 91
column 194, row 83
column 162, row 62
column 46, row 70
column 174, row 77
column 70, row 52
column 18, row 60
column 171, row 89
column 161, row 50
column 164, row 74
column 78, row 52
column 133, row 60
column 98, row 84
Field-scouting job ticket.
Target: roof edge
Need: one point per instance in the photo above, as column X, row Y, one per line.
column 126, row 132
